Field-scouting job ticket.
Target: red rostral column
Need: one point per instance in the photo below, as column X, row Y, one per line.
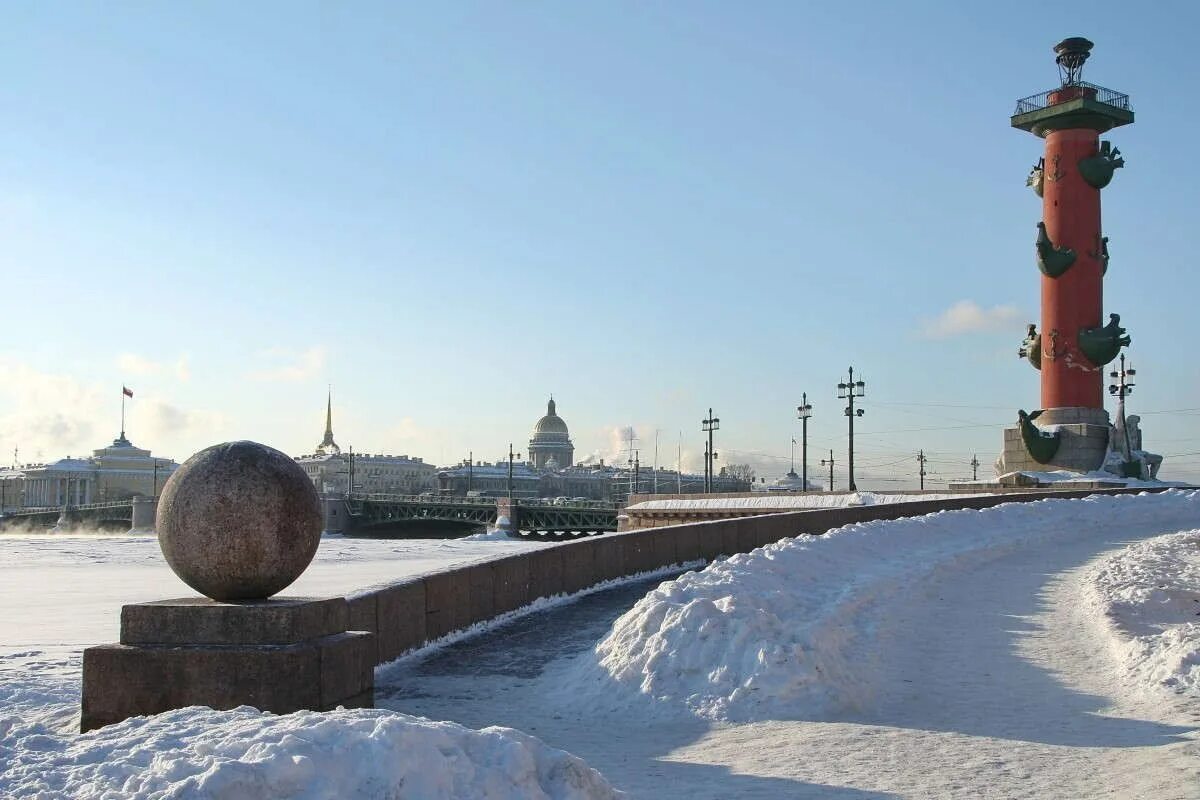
column 1075, row 300
column 1072, row 252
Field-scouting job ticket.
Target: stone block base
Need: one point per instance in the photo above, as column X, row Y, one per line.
column 221, row 668
column 1083, row 444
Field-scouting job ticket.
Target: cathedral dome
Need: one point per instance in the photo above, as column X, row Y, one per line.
column 551, row 423
column 550, row 446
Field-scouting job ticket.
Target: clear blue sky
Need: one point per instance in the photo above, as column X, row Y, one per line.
column 449, row 211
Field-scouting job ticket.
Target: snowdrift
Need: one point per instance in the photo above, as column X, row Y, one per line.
column 203, row 754
column 1145, row 601
column 785, row 631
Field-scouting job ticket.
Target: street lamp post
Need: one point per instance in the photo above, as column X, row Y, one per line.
column 471, row 470
column 511, row 455
column 803, row 411
column 708, row 425
column 828, row 462
column 1122, row 388
column 636, row 485
column 849, row 391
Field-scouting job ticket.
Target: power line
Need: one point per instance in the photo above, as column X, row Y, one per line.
column 936, row 428
column 1173, row 411
column 944, row 405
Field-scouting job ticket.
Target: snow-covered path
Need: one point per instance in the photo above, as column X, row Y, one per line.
column 994, row 691
column 992, row 683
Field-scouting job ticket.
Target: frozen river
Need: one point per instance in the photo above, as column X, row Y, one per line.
column 66, row 591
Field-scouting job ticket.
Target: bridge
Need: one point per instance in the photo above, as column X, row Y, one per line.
column 111, row 514
column 537, row 516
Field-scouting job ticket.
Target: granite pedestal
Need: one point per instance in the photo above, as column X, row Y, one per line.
column 280, row 655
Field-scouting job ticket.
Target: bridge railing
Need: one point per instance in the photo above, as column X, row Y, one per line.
column 423, row 499
column 456, row 500
column 32, row 510
column 546, row 502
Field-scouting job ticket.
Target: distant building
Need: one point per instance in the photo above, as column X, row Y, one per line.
column 482, row 479
column 550, row 447
column 788, row 483
column 117, row 472
column 331, row 470
column 550, row 471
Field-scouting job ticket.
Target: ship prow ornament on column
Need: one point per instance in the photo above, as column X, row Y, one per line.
column 1071, row 431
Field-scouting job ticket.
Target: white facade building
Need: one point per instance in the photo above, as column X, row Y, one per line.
column 117, row 472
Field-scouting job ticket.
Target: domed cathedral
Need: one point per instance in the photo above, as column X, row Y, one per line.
column 550, row 447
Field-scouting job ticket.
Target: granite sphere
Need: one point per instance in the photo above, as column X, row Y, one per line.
column 239, row 521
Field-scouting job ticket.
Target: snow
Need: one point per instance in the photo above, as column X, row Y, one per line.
column 775, row 501
column 1049, row 477
column 998, row 653
column 768, row 633
column 1145, row 601
column 984, row 675
column 62, row 593
column 363, row 753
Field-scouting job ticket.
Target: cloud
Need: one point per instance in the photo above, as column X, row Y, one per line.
column 615, row 451
column 50, row 416
column 159, row 420
column 291, row 366
column 967, row 316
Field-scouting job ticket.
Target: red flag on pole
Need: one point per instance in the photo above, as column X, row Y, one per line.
column 126, row 392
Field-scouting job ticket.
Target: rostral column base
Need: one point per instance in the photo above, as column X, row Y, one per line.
column 1083, row 439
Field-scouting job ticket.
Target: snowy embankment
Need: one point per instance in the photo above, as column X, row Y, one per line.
column 787, row 630
column 800, row 501
column 366, row 753
column 63, row 592
column 1145, row 601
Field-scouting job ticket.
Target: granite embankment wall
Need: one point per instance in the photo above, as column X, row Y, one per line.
column 413, row 612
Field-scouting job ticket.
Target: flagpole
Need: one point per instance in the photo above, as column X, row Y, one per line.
column 122, row 412
column 656, row 460
column 679, row 464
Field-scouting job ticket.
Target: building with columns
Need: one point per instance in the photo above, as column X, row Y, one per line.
column 117, row 472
